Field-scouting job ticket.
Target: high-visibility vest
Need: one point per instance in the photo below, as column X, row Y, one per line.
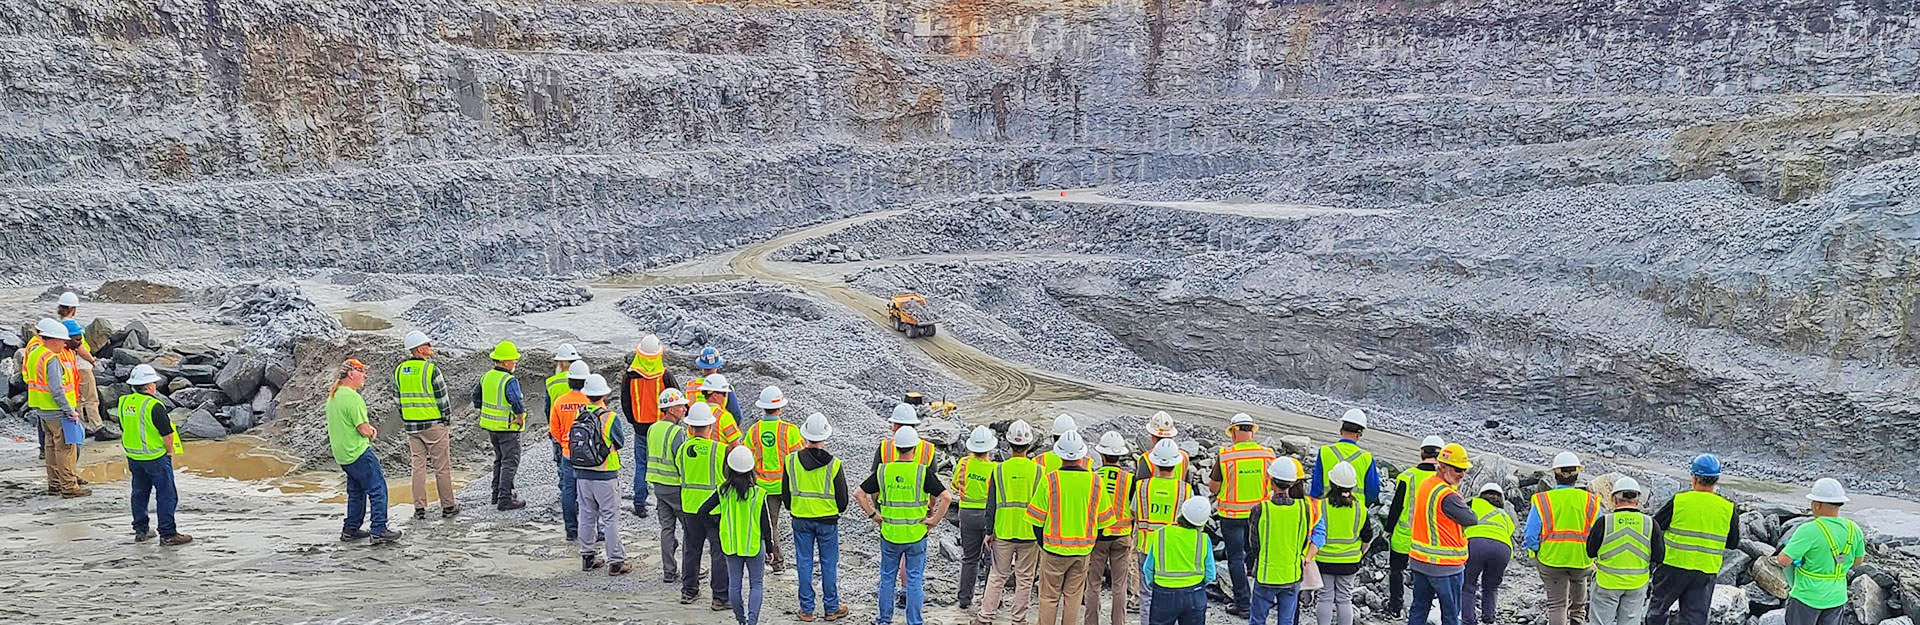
column 970, row 477
column 1013, row 484
column 1146, row 465
column 1494, row 522
column 606, row 433
column 413, row 380
column 496, row 413
column 1050, row 462
column 1156, row 505
column 1840, row 551
column 663, row 440
column 740, row 521
column 138, row 436
column 1408, row 480
column 1565, row 515
column 726, row 427
column 1065, row 506
column 645, row 391
column 699, row 461
column 1626, row 551
column 1179, row 556
column 812, row 490
column 1283, row 532
column 1343, row 534
column 1243, row 484
column 771, row 440
column 556, row 387
column 560, row 420
column 39, row 389
column 922, row 453
column 1352, row 454
column 903, row 502
column 1437, row 539
column 1116, row 495
column 1696, row 537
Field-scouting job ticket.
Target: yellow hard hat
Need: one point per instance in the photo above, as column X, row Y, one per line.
column 1455, row 456
column 505, row 351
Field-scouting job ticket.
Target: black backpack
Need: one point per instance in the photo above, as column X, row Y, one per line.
column 586, row 443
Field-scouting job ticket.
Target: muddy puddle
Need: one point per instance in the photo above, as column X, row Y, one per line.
column 361, row 320
column 247, row 459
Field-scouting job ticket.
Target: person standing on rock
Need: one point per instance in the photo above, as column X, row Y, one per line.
column 503, row 414
column 1624, row 549
column 1347, row 449
column 1489, row 549
column 350, row 435
column 1401, row 514
column 1160, row 427
column 52, row 399
column 771, row 440
column 1348, row 533
column 664, row 440
column 1156, row 503
column 1557, row 535
column 1819, row 554
column 1015, row 554
column 1067, row 510
column 816, row 494
column 594, row 446
column 904, row 498
column 1439, row 547
column 746, row 534
column 1699, row 526
column 701, row 463
column 646, row 378
column 718, row 391
column 148, row 438
column 970, row 477
column 1179, row 566
column 562, row 409
column 423, row 414
column 1287, row 532
column 1112, row 555
column 1239, row 482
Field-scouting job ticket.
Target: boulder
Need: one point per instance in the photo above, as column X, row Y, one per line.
column 1729, row 606
column 1900, row 620
column 1775, row 617
column 176, row 383
column 1868, row 600
column 205, row 375
column 1770, row 577
column 10, row 338
column 1297, row 445
column 199, row 395
column 278, row 373
column 238, row 418
column 243, row 375
column 99, row 334
column 942, row 433
column 1733, row 569
column 1755, row 548
column 1759, row 601
column 1759, row 526
column 110, row 395
column 131, row 356
column 262, row 401
column 134, row 335
column 200, row 423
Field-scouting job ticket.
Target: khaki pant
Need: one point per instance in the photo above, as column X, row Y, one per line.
column 1063, row 581
column 1113, row 557
column 432, row 444
column 61, row 458
column 89, row 407
column 1566, row 594
column 1020, row 560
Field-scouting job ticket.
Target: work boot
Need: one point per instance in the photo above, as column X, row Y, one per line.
column 1236, row 612
column 837, row 614
column 351, row 535
column 449, row 511
column 81, row 480
column 75, row 492
column 639, row 511
column 619, row 568
column 513, row 504
column 805, row 617
column 721, row 605
column 687, row 599
column 386, row 537
column 590, row 562
column 419, row 513
column 142, row 536
column 176, row 540
column 670, row 579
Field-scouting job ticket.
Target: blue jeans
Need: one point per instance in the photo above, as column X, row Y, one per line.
column 153, row 477
column 569, row 499
column 891, row 555
column 1426, row 588
column 366, row 488
column 639, row 466
column 1178, row 606
column 1284, row 599
column 807, row 536
column 1236, row 531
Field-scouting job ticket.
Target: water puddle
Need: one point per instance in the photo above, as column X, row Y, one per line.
column 239, row 458
column 360, row 320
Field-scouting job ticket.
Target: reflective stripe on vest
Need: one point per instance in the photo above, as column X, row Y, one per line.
column 1146, row 466
column 812, row 489
column 661, row 437
column 1244, row 483
column 771, row 440
column 700, row 460
column 1343, row 534
column 39, row 389
column 1283, row 534
column 1409, row 480
column 413, row 380
column 1069, row 491
column 1156, row 505
column 903, row 502
column 1841, row 552
column 1013, row 485
column 645, row 393
column 1696, row 536
column 1565, row 516
column 1626, row 551
column 1179, row 557
column 556, row 388
column 1116, row 492
column 1493, row 522
column 1352, row 454
column 496, row 413
column 138, row 436
column 1437, row 539
column 970, row 477
column 740, row 522
column 922, row 454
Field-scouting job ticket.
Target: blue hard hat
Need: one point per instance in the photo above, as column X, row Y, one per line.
column 1706, row 465
column 73, row 328
column 709, row 359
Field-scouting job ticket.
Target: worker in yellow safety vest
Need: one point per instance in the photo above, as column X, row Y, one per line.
column 1156, row 503
column 1818, row 555
column 503, row 414
column 717, row 390
column 1699, row 527
column 1348, row 534
column 424, row 409
column 970, row 476
column 1050, row 461
column 1557, row 534
column 1439, row 550
column 1112, row 556
column 1160, row 427
column 817, row 493
column 701, row 461
column 1287, row 532
column 1016, row 555
column 902, row 415
column 664, row 440
column 149, row 439
column 1179, row 566
column 904, row 498
column 1489, row 549
column 52, row 399
column 746, row 534
column 1069, row 516
column 1624, row 549
column 1239, row 483
column 1400, row 514
column 771, row 439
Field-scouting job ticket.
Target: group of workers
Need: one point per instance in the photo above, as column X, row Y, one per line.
column 1057, row 523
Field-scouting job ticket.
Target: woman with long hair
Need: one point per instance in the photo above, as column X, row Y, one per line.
column 1348, row 533
column 746, row 533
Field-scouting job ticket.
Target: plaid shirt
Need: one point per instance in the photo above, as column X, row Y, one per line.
column 440, row 398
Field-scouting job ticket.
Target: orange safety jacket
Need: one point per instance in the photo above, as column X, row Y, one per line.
column 1437, row 538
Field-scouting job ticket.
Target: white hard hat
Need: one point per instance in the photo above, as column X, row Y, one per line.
column 597, row 386
column 771, row 398
column 904, row 414
column 906, row 437
column 716, row 383
column 69, row 299
column 981, row 440
column 579, row 370
column 700, row 415
column 1240, row 419
column 816, row 428
column 1343, row 475
column 1070, row 446
column 1492, row 487
column 1625, row 485
column 51, row 329
column 566, row 353
column 1063, row 424
column 649, row 346
column 1196, row 510
column 672, row 397
column 1164, row 454
column 1434, row 441
column 1019, row 433
column 1355, row 416
column 1828, row 490
column 417, row 338
column 143, row 375
column 1161, row 425
column 1566, row 460
column 740, row 459
column 1111, row 444
column 1282, row 469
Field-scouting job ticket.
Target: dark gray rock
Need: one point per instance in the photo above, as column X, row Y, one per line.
column 204, row 375
column 201, row 424
column 1759, row 600
column 1775, row 617
column 1867, row 600
column 1729, row 606
column 263, row 401
column 134, row 335
column 10, row 339
column 131, row 356
column 99, row 334
column 110, row 395
column 1760, row 526
column 278, row 373
column 238, row 418
column 1733, row 571
column 1755, row 548
column 200, row 395
column 243, row 375
column 176, row 383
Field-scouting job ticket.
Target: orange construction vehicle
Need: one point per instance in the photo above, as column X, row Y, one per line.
column 910, row 314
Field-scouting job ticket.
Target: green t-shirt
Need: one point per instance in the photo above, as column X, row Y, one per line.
column 346, row 410
column 1814, row 553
